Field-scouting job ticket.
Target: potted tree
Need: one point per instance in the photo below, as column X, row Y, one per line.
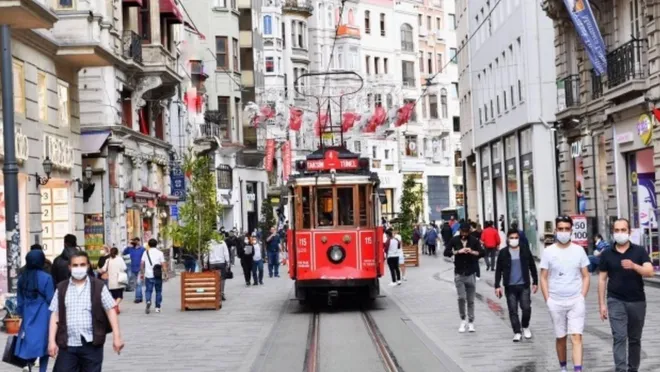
column 12, row 320
column 198, row 216
column 410, row 208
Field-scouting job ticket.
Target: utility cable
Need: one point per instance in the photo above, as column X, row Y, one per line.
column 334, row 43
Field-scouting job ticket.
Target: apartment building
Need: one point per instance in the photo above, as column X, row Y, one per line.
column 606, row 155
column 513, row 90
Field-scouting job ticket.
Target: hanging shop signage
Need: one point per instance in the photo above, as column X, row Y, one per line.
column 526, row 162
column 270, row 154
column 59, row 151
column 178, row 181
column 625, row 137
column 286, row 159
column 580, row 230
column 645, row 129
column 485, row 173
column 497, row 170
column 174, row 212
column 22, row 147
column 576, row 149
column 330, row 161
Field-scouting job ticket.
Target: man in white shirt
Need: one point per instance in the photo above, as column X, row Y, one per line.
column 154, row 269
column 565, row 284
column 219, row 260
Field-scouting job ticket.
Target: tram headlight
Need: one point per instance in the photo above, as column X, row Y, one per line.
column 336, row 254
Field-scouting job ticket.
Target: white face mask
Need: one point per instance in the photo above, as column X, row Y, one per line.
column 563, row 237
column 621, row 238
column 79, row 273
column 514, row 242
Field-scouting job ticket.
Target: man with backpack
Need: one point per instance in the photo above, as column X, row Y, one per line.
column 154, row 268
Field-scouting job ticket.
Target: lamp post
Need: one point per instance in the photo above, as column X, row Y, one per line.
column 48, row 169
column 10, row 167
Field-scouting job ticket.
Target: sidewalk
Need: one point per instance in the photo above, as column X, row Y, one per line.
column 200, row 341
column 429, row 297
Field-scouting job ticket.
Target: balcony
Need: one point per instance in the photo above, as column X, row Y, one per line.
column 568, row 97
column 627, row 70
column 26, row 14
column 132, row 46
column 299, row 54
column 596, row 85
column 157, row 59
column 82, row 41
column 301, row 7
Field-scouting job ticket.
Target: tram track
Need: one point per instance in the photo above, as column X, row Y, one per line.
column 312, row 354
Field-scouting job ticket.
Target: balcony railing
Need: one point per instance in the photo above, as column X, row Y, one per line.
column 572, row 90
column 626, row 62
column 211, row 130
column 298, row 5
column 132, row 46
column 596, row 85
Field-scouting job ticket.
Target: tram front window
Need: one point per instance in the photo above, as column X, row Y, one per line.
column 325, row 207
column 345, row 206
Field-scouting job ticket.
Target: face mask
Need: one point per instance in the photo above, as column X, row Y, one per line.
column 79, row 272
column 514, row 242
column 563, row 237
column 621, row 238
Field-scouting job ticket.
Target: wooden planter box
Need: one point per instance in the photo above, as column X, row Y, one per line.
column 411, row 255
column 200, row 291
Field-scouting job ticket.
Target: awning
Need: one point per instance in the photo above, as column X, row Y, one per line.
column 138, row 195
column 168, row 199
column 133, row 2
column 151, row 191
column 92, row 142
column 170, row 10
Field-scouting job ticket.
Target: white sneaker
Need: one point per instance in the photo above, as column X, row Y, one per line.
column 405, row 279
column 478, row 278
column 393, row 284
column 527, row 333
column 398, row 283
column 461, row 329
column 471, row 327
column 517, row 337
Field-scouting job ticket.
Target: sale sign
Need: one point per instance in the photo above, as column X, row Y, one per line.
column 270, row 154
column 286, row 159
column 580, row 230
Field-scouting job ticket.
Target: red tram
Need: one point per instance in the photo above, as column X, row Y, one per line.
column 335, row 242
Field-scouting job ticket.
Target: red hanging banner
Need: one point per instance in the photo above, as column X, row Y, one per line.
column 404, row 113
column 270, row 154
column 295, row 119
column 286, row 160
column 376, row 120
column 320, row 124
column 348, row 120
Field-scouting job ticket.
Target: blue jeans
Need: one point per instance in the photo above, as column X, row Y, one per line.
column 258, row 267
column 593, row 263
column 190, row 265
column 151, row 283
column 273, row 264
column 86, row 358
column 135, row 282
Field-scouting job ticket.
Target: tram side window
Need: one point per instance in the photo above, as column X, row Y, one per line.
column 306, row 209
column 363, row 205
column 345, row 206
column 324, row 207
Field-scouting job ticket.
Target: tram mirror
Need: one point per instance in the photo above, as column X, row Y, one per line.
column 382, row 197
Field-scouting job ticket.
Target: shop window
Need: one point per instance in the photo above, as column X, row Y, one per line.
column 324, row 207
column 42, row 98
column 19, row 87
column 345, row 206
column 387, row 208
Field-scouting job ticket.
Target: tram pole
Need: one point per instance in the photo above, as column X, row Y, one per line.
column 10, row 167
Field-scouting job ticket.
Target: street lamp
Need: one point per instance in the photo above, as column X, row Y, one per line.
column 48, row 168
column 84, row 185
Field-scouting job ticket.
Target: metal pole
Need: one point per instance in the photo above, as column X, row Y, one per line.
column 10, row 168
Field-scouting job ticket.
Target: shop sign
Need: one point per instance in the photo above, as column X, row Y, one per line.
column 576, row 149
column 624, row 137
column 178, row 181
column 21, row 141
column 484, row 173
column 250, row 197
column 526, row 162
column 497, row 170
column 580, row 230
column 645, row 129
column 59, row 151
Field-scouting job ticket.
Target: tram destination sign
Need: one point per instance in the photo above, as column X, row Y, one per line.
column 332, row 161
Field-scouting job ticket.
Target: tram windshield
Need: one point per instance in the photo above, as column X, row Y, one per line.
column 333, row 206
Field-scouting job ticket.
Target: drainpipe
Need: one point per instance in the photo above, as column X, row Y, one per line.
column 10, row 168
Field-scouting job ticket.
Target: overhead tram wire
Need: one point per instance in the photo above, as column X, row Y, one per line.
column 430, row 79
column 334, row 43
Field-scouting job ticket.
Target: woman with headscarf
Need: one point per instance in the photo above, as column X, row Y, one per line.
column 35, row 291
column 113, row 267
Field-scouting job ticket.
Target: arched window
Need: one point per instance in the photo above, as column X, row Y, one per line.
column 268, row 25
column 407, row 44
column 443, row 103
column 351, row 19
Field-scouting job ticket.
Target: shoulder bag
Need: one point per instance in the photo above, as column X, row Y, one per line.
column 9, row 355
column 157, row 269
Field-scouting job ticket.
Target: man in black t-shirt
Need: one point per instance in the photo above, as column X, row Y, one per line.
column 621, row 270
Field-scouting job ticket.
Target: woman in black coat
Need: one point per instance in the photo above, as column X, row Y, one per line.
column 245, row 252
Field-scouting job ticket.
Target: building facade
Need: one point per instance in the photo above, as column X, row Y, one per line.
column 605, row 123
column 513, row 90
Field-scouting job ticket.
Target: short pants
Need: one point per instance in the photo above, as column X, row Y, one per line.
column 568, row 315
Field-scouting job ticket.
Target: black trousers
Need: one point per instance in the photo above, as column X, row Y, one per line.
column 86, row 358
column 246, row 264
column 393, row 263
column 519, row 295
column 432, row 249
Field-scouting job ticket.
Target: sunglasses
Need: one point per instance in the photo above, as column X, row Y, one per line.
column 563, row 218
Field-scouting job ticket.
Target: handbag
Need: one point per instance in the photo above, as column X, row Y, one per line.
column 122, row 278
column 229, row 274
column 9, row 356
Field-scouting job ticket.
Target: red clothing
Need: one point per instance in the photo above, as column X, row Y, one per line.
column 491, row 238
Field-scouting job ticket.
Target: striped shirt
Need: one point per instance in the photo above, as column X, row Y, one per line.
column 78, row 304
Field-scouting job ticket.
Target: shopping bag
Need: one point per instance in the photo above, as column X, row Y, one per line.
column 9, row 356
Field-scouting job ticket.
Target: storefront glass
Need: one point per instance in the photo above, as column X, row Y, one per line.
column 511, row 179
column 499, row 203
column 387, row 209
column 529, row 223
column 641, row 179
column 486, row 185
